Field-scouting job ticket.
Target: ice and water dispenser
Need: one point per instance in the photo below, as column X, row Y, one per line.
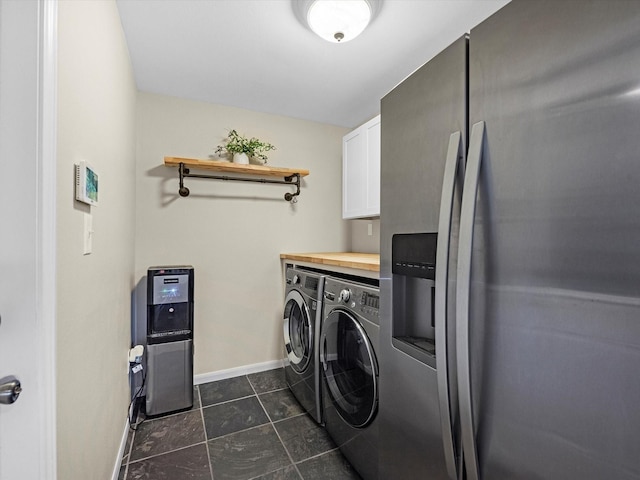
column 413, row 259
column 169, row 339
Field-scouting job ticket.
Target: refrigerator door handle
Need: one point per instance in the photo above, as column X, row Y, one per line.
column 442, row 281
column 463, row 291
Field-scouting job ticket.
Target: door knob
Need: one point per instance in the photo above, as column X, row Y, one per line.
column 10, row 390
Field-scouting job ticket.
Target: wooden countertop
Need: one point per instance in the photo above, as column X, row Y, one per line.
column 359, row 261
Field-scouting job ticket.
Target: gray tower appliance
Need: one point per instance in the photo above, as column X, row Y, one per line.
column 169, row 339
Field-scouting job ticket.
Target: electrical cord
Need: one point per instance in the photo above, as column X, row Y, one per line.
column 133, row 400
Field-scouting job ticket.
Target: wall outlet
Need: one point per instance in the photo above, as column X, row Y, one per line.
column 370, row 229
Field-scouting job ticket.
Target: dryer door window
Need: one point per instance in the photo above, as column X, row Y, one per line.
column 350, row 368
column 298, row 332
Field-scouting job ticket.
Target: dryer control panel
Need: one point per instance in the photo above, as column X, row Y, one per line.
column 369, row 305
column 361, row 299
column 306, row 282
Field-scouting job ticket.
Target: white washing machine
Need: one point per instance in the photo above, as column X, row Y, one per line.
column 301, row 324
column 350, row 338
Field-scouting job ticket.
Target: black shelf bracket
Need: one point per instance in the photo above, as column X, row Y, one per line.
column 293, row 179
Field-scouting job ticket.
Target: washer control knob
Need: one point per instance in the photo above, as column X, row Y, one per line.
column 296, row 279
column 345, row 295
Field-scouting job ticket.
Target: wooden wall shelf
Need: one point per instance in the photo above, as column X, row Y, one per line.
column 291, row 175
column 230, row 167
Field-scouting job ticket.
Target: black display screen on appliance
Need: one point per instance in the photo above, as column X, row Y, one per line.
column 369, row 300
column 311, row 282
column 414, row 254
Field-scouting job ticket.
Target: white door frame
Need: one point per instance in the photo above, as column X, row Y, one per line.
column 46, row 230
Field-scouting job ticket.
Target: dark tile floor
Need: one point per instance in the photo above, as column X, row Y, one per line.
column 242, row 428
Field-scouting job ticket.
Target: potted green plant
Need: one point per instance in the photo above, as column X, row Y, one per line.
column 242, row 148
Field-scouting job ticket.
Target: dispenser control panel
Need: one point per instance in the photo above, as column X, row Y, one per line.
column 170, row 289
column 414, row 255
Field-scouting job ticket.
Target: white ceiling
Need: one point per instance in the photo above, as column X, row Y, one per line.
column 255, row 54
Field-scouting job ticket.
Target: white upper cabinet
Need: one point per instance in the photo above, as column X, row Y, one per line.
column 361, row 171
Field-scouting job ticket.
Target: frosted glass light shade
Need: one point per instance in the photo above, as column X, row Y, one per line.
column 339, row 21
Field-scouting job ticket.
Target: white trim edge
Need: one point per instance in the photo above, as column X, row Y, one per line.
column 123, row 444
column 237, row 371
column 46, row 232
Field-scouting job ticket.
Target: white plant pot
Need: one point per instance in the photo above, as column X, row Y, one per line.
column 241, row 158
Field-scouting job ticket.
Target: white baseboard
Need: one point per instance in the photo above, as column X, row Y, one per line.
column 123, row 445
column 236, row 371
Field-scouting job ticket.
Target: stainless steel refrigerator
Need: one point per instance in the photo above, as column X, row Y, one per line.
column 510, row 251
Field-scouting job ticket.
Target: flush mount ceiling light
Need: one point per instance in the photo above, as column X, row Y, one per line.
column 336, row 21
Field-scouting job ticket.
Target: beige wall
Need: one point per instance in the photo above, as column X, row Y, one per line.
column 233, row 233
column 361, row 241
column 96, row 108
